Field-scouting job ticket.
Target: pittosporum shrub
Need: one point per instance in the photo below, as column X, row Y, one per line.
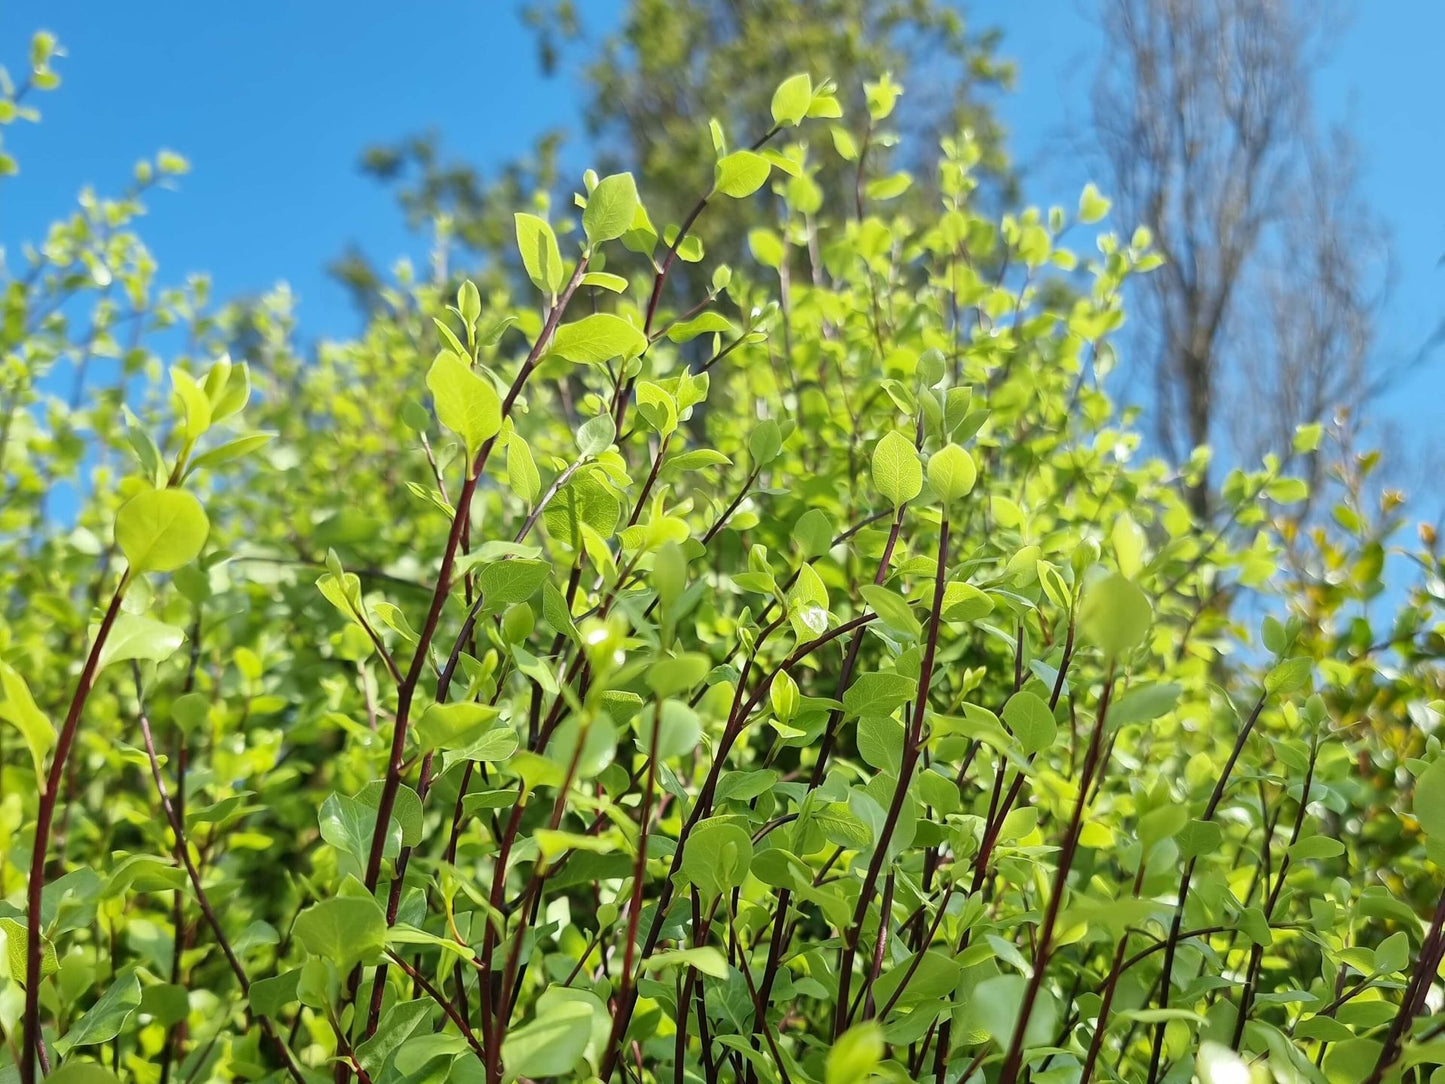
column 811, row 681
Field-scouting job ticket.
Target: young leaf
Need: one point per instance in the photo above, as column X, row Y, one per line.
column 18, row 708
column 159, row 530
column 465, row 402
column 610, row 208
column 951, row 473
column 540, row 255
column 598, row 338
column 791, row 100
column 741, row 174
column 897, row 473
column 1114, row 615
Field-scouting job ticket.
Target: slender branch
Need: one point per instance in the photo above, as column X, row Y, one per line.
column 32, row 1047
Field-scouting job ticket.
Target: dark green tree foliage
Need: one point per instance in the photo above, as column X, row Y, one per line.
column 466, row 703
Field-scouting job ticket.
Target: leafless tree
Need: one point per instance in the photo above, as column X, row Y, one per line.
column 1262, row 318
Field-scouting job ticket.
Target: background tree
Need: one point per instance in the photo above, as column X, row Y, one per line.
column 652, row 85
column 1262, row 318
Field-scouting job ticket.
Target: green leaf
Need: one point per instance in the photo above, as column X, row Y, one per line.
column 1429, row 804
column 272, row 994
column 397, row 1025
column 134, row 636
column 159, row 530
column 741, row 174
column 1288, row 677
column 1128, row 540
column 610, row 208
column 997, row 1002
column 765, row 442
column 348, row 825
column 1114, row 615
column 82, row 1072
column 855, row 1055
column 16, row 940
column 670, row 676
column 892, row 609
column 1143, row 704
column 708, row 960
column 195, row 405
column 540, row 255
column 1031, row 721
column 454, row 726
column 701, row 324
column 550, row 1045
column 514, row 580
column 596, row 435
column 1092, row 206
column 951, row 473
column 897, row 473
column 878, row 694
column 679, row 728
column 231, row 450
column 465, row 402
column 522, row 474
column 18, row 708
column 104, row 1020
column 791, row 101
column 598, row 338
column 717, row 856
column 346, row 930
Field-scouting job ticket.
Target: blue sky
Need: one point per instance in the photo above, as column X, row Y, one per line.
column 273, row 102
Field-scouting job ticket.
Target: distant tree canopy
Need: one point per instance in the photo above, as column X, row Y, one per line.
column 653, row 84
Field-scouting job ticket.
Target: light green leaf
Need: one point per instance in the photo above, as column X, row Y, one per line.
column 1429, row 804
column 892, row 609
column 951, row 473
column 16, row 940
column 717, row 856
column 515, row 580
column 82, row 1072
column 104, row 1020
column 522, row 474
column 610, row 208
column 344, row 929
column 598, row 338
column 855, row 1055
column 18, row 708
column 1115, row 615
column 595, row 435
column 1092, row 204
column 791, row 100
column 540, row 254
column 878, row 694
column 1128, row 539
column 1143, row 704
column 135, row 636
column 996, row 1003
column 708, row 960
column 1290, row 676
column 550, row 1045
column 454, row 726
column 465, row 402
column 897, row 473
column 1031, row 721
column 159, row 530
column 741, row 174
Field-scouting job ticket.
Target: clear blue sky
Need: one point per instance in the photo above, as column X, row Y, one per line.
column 273, row 102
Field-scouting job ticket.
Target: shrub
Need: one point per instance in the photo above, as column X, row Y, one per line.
column 810, row 681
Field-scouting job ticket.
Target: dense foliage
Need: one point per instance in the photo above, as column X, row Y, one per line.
column 811, row 680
